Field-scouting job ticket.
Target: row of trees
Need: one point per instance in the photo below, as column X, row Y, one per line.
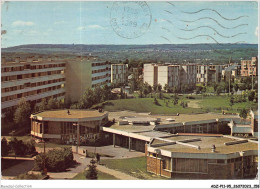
column 93, row 96
column 21, row 115
column 19, row 147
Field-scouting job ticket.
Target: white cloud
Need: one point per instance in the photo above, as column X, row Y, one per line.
column 59, row 22
column 81, row 28
column 92, row 27
column 22, row 23
column 95, row 27
column 256, row 31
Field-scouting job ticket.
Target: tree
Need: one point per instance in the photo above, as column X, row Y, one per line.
column 219, row 90
column 92, row 171
column 22, row 113
column 236, row 87
column 175, row 99
column 231, row 101
column 243, row 113
column 18, row 147
column 43, row 105
column 251, row 95
column 4, row 147
column 52, row 104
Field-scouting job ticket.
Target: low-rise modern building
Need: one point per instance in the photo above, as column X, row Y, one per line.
column 249, row 67
column 119, row 73
column 202, row 157
column 68, row 126
column 33, row 79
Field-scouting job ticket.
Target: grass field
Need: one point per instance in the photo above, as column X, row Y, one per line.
column 201, row 105
column 135, row 167
column 101, row 176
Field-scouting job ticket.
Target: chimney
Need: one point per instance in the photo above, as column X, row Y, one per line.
column 213, row 148
column 3, row 60
column 29, row 59
column 17, row 60
column 40, row 59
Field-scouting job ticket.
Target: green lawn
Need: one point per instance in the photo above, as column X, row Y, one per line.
column 135, row 167
column 101, row 176
column 216, row 103
column 147, row 105
column 206, row 104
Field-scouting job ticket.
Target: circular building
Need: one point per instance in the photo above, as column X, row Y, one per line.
column 68, row 126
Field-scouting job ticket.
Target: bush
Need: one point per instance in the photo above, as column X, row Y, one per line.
column 56, row 160
column 27, row 176
column 20, row 148
column 4, row 147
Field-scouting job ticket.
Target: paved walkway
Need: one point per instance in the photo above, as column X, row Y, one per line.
column 114, row 152
column 18, row 169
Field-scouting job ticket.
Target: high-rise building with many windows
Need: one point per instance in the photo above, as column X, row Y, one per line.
column 32, row 79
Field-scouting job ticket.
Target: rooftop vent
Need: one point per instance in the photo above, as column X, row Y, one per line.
column 235, row 142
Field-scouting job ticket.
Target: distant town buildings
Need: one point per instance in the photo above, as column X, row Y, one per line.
column 249, row 67
column 32, row 79
column 119, row 73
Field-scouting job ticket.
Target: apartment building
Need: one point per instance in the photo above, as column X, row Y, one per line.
column 249, row 67
column 188, row 75
column 202, row 73
column 209, row 73
column 85, row 72
column 162, row 74
column 32, row 79
column 119, row 73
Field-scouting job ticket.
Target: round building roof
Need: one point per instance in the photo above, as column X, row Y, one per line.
column 69, row 115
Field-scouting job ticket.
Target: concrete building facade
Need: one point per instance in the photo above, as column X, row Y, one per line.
column 32, row 79
column 163, row 74
column 119, row 73
column 188, row 75
column 85, row 72
column 249, row 67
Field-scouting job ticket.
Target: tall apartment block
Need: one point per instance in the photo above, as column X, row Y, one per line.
column 119, row 73
column 202, row 73
column 155, row 74
column 209, row 73
column 32, row 79
column 188, row 75
column 249, row 67
column 85, row 72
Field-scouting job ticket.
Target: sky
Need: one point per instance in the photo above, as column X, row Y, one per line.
column 166, row 22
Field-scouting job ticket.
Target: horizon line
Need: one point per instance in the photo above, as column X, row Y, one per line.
column 134, row 44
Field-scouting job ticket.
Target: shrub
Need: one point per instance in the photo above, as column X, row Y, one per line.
column 4, row 147
column 92, row 171
column 56, row 160
column 27, row 176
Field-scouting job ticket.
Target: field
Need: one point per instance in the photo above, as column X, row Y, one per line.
column 135, row 167
column 101, row 176
column 198, row 104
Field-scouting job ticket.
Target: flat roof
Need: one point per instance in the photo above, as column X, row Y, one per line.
column 74, row 114
column 205, row 144
column 178, row 119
